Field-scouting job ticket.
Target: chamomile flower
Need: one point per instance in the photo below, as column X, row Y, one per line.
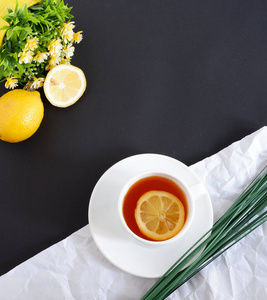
column 67, row 36
column 68, row 26
column 25, row 57
column 65, row 61
column 11, row 83
column 67, row 31
column 31, row 44
column 77, row 37
column 27, row 86
column 37, row 83
column 53, row 61
column 40, row 57
column 55, row 47
column 69, row 51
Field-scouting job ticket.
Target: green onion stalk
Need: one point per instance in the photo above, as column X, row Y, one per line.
column 246, row 214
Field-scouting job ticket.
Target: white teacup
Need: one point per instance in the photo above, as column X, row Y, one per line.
column 190, row 193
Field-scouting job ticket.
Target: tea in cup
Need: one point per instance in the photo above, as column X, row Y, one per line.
column 156, row 208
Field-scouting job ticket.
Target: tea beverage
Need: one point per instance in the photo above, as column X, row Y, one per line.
column 140, row 187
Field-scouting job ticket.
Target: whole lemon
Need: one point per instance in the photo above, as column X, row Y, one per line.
column 21, row 113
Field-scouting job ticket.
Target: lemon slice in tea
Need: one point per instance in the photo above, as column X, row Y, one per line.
column 159, row 215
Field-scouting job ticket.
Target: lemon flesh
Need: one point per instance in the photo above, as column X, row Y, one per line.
column 64, row 85
column 159, row 215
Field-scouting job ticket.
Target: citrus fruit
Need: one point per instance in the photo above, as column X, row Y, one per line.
column 64, row 85
column 21, row 113
column 159, row 215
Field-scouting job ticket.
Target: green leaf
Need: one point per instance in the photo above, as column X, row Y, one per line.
column 69, row 16
column 13, row 38
column 23, row 35
column 16, row 21
column 21, row 69
column 36, row 8
column 28, row 29
column 1, row 71
column 17, row 28
column 33, row 19
column 17, row 6
column 4, row 27
column 9, row 34
column 24, row 10
column 8, row 18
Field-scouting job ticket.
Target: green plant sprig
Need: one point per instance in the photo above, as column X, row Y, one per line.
column 43, row 21
column 237, row 222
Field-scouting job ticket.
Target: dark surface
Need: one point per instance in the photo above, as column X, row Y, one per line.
column 180, row 78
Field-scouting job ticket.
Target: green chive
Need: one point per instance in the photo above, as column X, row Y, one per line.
column 237, row 222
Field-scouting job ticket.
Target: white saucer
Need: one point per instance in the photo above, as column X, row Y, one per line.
column 112, row 239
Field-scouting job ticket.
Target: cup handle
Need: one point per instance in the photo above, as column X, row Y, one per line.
column 197, row 190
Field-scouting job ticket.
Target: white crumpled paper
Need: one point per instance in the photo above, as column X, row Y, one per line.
column 75, row 269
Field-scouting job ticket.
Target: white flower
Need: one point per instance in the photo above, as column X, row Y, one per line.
column 67, row 36
column 27, row 86
column 65, row 61
column 37, row 83
column 32, row 44
column 77, row 37
column 40, row 57
column 25, row 57
column 53, row 61
column 11, row 83
column 69, row 51
column 55, row 47
column 67, row 31
column 68, row 26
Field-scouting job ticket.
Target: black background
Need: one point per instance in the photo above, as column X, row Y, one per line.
column 179, row 78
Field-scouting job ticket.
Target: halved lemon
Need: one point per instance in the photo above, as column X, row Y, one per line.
column 64, row 85
column 159, row 215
